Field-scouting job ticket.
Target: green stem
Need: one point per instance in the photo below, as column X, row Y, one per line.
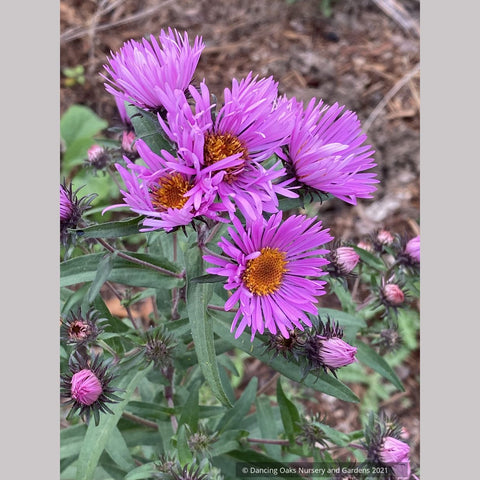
column 138, row 261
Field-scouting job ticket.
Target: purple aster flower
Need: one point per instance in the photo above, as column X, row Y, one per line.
column 140, row 71
column 166, row 190
column 269, row 266
column 395, row 454
column 412, row 249
column 248, row 129
column 325, row 152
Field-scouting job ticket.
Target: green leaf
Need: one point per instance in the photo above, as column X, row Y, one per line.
column 335, row 436
column 209, row 278
column 142, row 472
column 118, row 451
column 323, row 383
column 122, row 228
column 228, row 441
column 183, row 450
column 84, row 269
column 190, row 409
column 78, row 126
column 289, row 413
column 268, row 425
column 197, row 296
column 149, row 130
column 370, row 259
column 103, row 272
column 237, row 414
column 97, row 437
column 372, row 359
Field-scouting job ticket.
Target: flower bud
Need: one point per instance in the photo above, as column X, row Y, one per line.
column 335, row 352
column 393, row 294
column 365, row 246
column 394, row 453
column 85, row 387
column 98, row 157
column 412, row 248
column 128, row 141
column 346, row 259
column 384, row 237
column 71, row 209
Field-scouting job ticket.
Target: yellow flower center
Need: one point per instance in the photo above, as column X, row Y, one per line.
column 263, row 275
column 220, row 146
column 170, row 192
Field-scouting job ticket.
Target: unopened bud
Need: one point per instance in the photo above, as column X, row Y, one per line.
column 335, row 352
column 98, row 157
column 86, row 387
column 412, row 248
column 346, row 258
column 393, row 294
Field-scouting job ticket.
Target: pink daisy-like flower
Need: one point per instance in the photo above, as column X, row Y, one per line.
column 247, row 130
column 166, row 190
column 326, row 152
column 140, row 71
column 269, row 266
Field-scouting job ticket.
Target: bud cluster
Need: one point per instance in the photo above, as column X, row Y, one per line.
column 319, row 348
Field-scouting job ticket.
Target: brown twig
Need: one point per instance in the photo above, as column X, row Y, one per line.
column 399, row 15
column 76, row 33
column 389, row 95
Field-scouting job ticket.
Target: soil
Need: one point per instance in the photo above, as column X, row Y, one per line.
column 364, row 55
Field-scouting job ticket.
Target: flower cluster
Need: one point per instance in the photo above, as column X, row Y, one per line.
column 241, row 155
column 232, row 163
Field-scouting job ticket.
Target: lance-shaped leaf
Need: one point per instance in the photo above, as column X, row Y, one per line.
column 103, row 272
column 368, row 356
column 197, row 296
column 122, row 228
column 234, row 416
column 289, row 414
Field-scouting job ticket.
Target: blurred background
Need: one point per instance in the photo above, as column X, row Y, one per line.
column 363, row 54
